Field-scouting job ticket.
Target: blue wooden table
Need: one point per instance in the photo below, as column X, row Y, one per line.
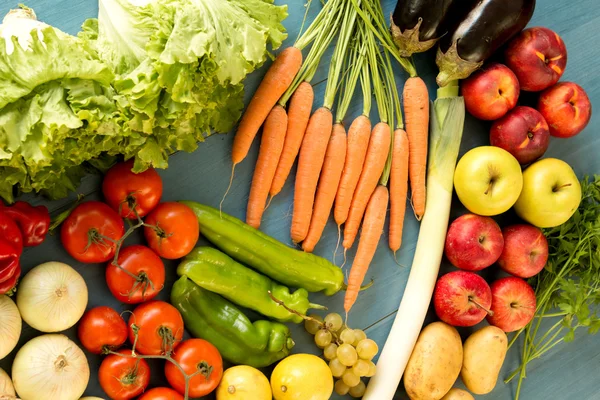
column 570, row 371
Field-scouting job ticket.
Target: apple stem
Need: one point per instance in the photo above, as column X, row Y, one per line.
column 490, row 312
column 489, row 189
column 516, row 305
column 557, row 188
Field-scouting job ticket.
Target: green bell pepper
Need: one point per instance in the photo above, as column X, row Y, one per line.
column 257, row 250
column 211, row 317
column 219, row 273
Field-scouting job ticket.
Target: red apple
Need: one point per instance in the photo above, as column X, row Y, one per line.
column 525, row 250
column 490, row 92
column 473, row 242
column 538, row 57
column 462, row 298
column 513, row 304
column 567, row 109
column 523, row 132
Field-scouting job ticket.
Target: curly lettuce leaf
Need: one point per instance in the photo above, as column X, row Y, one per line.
column 56, row 107
column 144, row 80
column 198, row 52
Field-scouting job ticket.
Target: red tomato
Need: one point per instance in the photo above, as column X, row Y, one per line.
column 9, row 231
column 123, row 377
column 124, row 190
column 87, row 232
column 141, row 262
column 193, row 355
column 101, row 329
column 158, row 323
column 175, row 230
column 161, row 393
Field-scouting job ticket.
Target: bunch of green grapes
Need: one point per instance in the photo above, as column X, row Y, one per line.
column 349, row 352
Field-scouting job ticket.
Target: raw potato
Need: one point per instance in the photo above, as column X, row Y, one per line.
column 434, row 363
column 484, row 354
column 458, row 394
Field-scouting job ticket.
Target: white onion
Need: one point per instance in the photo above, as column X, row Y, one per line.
column 51, row 366
column 52, row 297
column 7, row 391
column 10, row 326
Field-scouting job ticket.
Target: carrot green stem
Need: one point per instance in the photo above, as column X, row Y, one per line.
column 365, row 83
column 395, row 95
column 356, row 63
column 378, row 86
column 314, row 29
column 372, row 8
column 308, row 4
column 339, row 54
column 393, row 108
column 325, row 28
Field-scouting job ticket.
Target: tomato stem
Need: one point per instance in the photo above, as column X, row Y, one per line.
column 141, row 280
column 131, row 202
column 119, row 244
column 168, row 339
column 144, row 281
column 205, row 368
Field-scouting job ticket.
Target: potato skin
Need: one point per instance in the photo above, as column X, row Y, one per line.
column 435, row 362
column 458, row 394
column 484, row 353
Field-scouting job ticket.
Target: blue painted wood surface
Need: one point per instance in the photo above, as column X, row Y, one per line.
column 570, row 371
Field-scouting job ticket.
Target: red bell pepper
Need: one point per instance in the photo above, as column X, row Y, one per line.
column 6, row 287
column 9, row 231
column 9, row 261
column 34, row 222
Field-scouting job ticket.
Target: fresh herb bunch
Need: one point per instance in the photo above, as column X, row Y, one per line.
column 568, row 289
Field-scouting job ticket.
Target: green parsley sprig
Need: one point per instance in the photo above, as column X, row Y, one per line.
column 568, row 289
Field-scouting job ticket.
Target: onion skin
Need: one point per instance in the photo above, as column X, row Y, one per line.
column 51, row 364
column 10, row 327
column 57, row 289
column 6, row 385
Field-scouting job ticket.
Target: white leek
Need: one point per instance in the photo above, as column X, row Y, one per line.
column 447, row 121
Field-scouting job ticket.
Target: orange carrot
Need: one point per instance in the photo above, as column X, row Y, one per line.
column 310, row 162
column 377, row 153
column 398, row 188
column 278, row 78
column 369, row 238
column 328, row 185
column 358, row 141
column 298, row 116
column 416, row 111
column 271, row 146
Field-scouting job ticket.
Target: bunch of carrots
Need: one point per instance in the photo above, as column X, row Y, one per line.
column 348, row 172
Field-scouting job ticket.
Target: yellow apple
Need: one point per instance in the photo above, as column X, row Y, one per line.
column 488, row 180
column 551, row 193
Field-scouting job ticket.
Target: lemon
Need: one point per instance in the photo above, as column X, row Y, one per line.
column 302, row 377
column 242, row 383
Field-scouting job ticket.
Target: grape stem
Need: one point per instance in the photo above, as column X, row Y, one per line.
column 323, row 325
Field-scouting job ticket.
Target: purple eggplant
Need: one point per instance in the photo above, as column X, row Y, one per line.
column 417, row 25
column 486, row 28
